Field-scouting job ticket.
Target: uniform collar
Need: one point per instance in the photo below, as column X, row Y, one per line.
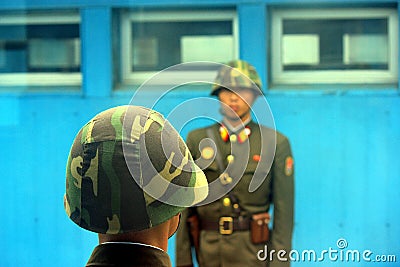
column 133, row 243
column 128, row 254
column 236, row 129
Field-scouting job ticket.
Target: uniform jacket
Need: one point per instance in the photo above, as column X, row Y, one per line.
column 276, row 190
column 127, row 255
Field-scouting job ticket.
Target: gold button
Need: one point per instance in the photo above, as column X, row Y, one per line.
column 230, row 158
column 235, row 205
column 207, row 153
column 225, row 178
column 233, row 138
column 227, row 202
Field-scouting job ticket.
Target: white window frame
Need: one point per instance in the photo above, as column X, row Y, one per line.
column 138, row 77
column 279, row 76
column 40, row 78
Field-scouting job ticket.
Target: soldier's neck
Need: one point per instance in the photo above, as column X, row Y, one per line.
column 156, row 236
column 236, row 125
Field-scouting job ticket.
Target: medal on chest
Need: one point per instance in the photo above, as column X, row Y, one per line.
column 240, row 137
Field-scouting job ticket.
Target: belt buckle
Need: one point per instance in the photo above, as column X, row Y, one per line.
column 222, row 222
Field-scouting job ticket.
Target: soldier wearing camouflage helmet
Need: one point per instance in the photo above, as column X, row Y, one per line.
column 236, row 75
column 129, row 175
column 235, row 228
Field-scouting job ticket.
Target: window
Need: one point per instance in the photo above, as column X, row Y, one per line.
column 153, row 41
column 334, row 46
column 40, row 49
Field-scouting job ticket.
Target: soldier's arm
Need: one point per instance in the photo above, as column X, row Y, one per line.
column 283, row 198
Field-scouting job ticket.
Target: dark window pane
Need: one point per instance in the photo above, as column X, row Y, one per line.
column 343, row 44
column 39, row 48
column 157, row 45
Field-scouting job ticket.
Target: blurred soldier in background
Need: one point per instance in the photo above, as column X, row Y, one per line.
column 233, row 229
column 114, row 158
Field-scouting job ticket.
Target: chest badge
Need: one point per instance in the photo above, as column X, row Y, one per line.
column 207, row 153
column 289, row 162
column 257, row 158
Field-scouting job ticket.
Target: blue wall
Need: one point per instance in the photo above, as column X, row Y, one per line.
column 345, row 142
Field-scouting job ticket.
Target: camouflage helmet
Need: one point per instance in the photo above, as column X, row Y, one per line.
column 237, row 74
column 123, row 170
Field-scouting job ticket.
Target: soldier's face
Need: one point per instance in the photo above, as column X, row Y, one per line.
column 236, row 105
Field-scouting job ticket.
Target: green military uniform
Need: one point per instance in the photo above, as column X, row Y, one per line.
column 218, row 247
column 277, row 189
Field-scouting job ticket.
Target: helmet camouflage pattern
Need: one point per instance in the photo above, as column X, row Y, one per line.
column 237, row 74
column 123, row 169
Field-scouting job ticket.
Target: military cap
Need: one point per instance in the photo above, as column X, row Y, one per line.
column 129, row 170
column 237, row 74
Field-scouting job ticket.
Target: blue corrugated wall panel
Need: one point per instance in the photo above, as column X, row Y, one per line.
column 347, row 173
column 347, row 178
column 345, row 143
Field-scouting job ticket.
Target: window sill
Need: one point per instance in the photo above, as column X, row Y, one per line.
column 333, row 89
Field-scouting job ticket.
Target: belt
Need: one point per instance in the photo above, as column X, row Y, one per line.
column 226, row 225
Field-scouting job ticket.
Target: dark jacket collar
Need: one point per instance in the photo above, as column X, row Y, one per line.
column 128, row 254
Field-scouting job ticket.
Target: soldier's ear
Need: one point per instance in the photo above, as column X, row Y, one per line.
column 173, row 224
